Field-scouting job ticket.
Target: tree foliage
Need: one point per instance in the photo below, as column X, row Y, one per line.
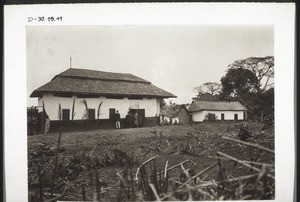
column 250, row 82
column 209, row 87
column 262, row 67
column 208, row 97
column 238, row 83
column 267, row 102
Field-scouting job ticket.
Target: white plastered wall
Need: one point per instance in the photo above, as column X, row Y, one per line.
column 167, row 119
column 51, row 102
column 199, row 116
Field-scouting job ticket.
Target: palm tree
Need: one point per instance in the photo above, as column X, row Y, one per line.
column 73, row 110
column 59, row 112
column 98, row 112
column 86, row 114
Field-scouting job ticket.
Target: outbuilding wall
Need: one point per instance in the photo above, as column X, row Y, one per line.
column 199, row 116
column 169, row 119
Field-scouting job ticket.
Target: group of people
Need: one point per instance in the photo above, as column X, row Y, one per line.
column 38, row 122
column 44, row 122
column 132, row 120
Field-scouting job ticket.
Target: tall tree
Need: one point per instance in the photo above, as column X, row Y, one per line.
column 266, row 104
column 238, row 83
column 262, row 67
column 213, row 87
column 209, row 87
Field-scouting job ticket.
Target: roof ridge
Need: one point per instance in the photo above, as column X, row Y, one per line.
column 100, row 75
column 215, row 101
column 102, row 79
column 95, row 71
column 197, row 105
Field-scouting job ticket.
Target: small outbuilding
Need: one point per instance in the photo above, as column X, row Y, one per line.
column 177, row 114
column 217, row 111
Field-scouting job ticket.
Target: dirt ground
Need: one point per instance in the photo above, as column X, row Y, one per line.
column 198, row 143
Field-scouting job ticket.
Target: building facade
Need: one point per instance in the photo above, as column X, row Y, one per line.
column 174, row 115
column 217, row 111
column 77, row 99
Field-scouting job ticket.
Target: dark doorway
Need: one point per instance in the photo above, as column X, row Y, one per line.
column 222, row 117
column 141, row 116
column 235, row 117
column 66, row 114
column 112, row 112
column 211, row 117
column 91, row 114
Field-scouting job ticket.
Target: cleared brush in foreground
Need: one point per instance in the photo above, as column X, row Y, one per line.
column 79, row 177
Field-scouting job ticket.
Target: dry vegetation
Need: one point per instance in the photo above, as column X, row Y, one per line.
column 199, row 162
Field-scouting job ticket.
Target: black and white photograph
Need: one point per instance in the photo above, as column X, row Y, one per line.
column 151, row 112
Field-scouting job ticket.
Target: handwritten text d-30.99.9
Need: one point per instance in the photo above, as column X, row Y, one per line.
column 44, row 19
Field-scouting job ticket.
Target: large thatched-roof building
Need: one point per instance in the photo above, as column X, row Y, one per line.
column 217, row 110
column 75, row 95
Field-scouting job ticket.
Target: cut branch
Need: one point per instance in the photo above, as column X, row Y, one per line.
column 203, row 171
column 253, row 162
column 154, row 192
column 144, row 163
column 175, row 166
column 250, row 144
column 58, row 197
column 245, row 164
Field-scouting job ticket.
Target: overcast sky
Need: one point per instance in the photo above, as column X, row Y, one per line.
column 175, row 58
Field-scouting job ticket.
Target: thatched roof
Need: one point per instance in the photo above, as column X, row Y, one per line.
column 100, row 75
column 91, row 82
column 198, row 105
column 171, row 111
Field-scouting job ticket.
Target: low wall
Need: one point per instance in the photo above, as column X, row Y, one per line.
column 83, row 125
column 217, row 121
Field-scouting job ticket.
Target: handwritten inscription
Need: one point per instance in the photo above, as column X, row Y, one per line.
column 44, row 19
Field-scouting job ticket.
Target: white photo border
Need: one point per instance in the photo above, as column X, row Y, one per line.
column 280, row 15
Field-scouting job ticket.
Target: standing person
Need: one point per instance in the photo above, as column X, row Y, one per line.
column 34, row 123
column 131, row 121
column 127, row 120
column 136, row 119
column 47, row 124
column 41, row 122
column 117, row 120
column 141, row 121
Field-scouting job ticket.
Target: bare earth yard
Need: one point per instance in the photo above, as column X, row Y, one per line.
column 70, row 171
